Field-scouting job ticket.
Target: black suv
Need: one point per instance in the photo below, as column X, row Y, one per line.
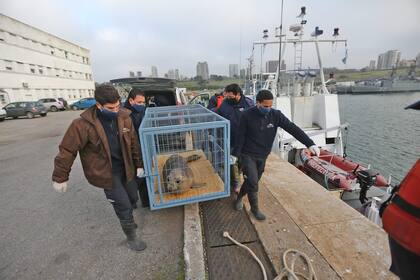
column 25, row 108
column 158, row 91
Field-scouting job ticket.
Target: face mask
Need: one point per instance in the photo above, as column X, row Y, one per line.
column 139, row 107
column 108, row 114
column 264, row 110
column 230, row 101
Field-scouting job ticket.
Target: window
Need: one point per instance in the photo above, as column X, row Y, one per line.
column 8, row 65
column 41, row 71
column 66, row 54
column 52, row 50
column 11, row 106
column 33, row 70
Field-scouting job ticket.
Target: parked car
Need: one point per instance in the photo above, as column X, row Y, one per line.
column 158, row 91
column 83, row 103
column 25, row 108
column 65, row 104
column 52, row 104
column 3, row 115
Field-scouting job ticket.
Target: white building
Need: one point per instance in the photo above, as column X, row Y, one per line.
column 233, row 70
column 372, row 64
column 154, row 72
column 35, row 64
column 389, row 60
column 203, row 70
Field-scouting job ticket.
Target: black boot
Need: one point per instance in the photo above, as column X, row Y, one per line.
column 253, row 201
column 144, row 195
column 134, row 243
column 238, row 205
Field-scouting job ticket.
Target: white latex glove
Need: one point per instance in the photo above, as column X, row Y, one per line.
column 140, row 172
column 233, row 159
column 60, row 187
column 314, row 150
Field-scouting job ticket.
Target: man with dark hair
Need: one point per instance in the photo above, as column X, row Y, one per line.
column 109, row 151
column 256, row 133
column 136, row 103
column 231, row 108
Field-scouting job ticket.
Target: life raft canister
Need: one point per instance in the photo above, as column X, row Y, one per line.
column 401, row 217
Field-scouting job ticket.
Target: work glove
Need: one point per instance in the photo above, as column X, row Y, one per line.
column 233, row 159
column 140, row 172
column 60, row 187
column 314, row 150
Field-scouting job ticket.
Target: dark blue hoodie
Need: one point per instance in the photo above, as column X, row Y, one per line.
column 257, row 131
column 233, row 114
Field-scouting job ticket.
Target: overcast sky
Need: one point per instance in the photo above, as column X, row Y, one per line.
column 125, row 35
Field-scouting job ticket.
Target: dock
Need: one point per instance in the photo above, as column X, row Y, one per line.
column 301, row 214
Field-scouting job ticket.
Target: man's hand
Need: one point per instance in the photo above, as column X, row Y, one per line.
column 60, row 187
column 140, row 172
column 314, row 150
column 233, row 159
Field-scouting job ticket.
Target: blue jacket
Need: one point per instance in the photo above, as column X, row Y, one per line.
column 256, row 132
column 233, row 114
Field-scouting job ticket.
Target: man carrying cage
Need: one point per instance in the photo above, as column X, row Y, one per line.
column 256, row 133
column 108, row 147
column 231, row 108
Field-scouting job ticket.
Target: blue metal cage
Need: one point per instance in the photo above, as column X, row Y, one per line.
column 186, row 153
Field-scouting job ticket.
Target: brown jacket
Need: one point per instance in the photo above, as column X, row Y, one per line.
column 87, row 136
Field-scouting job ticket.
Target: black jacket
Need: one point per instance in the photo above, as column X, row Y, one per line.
column 233, row 114
column 136, row 117
column 256, row 132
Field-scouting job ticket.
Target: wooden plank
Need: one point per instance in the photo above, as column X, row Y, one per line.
column 352, row 245
column 280, row 233
column 356, row 249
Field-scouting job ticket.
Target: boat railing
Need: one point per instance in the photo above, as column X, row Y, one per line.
column 310, row 134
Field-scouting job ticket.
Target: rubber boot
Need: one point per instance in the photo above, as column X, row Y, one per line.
column 134, row 243
column 253, row 201
column 238, row 205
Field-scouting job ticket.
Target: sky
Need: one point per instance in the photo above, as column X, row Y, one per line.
column 130, row 35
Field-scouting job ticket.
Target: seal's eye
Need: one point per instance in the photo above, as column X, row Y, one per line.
column 177, row 181
column 168, row 179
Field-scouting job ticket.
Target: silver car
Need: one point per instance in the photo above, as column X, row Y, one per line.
column 52, row 104
column 3, row 115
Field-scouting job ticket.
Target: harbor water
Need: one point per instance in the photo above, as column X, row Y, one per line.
column 381, row 132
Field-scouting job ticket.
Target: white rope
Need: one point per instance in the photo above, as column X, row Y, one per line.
column 226, row 234
column 290, row 273
column 287, row 271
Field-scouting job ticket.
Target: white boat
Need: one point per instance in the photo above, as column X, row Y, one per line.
column 313, row 108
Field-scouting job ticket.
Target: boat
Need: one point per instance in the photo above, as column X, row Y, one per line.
column 314, row 108
column 335, row 172
column 407, row 83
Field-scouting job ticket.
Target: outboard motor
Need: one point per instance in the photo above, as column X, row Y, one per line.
column 366, row 179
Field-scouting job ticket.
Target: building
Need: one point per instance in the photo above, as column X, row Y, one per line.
column 203, row 70
column 242, row 73
column 154, row 72
column 131, row 74
column 389, row 60
column 35, row 64
column 407, row 62
column 177, row 74
column 372, row 64
column 271, row 66
column 170, row 74
column 418, row 60
column 139, row 74
column 233, row 70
